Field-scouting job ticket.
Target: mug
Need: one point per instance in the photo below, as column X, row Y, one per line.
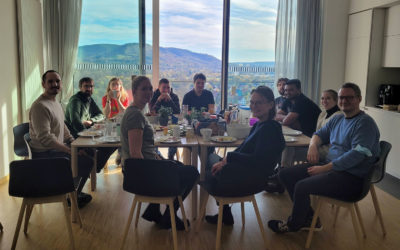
column 115, row 93
column 206, row 133
column 176, row 131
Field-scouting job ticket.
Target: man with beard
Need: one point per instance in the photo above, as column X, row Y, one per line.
column 50, row 137
column 82, row 112
column 280, row 85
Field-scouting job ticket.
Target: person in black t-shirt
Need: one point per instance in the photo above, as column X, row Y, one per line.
column 280, row 85
column 298, row 111
column 199, row 97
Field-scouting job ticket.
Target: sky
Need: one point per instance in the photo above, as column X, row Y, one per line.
column 195, row 25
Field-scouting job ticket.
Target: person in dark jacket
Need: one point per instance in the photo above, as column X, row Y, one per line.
column 245, row 170
column 82, row 112
column 164, row 96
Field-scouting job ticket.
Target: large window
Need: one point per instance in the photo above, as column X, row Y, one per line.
column 116, row 41
column 251, row 48
column 190, row 42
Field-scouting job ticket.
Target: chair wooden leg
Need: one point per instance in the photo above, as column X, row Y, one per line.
column 202, row 212
column 219, row 227
column 183, row 213
column 139, row 206
column 355, row 224
column 336, row 215
column 28, row 213
column 177, row 154
column 20, row 217
column 68, row 221
column 360, row 220
column 243, row 215
column 173, row 224
column 260, row 224
column 313, row 223
column 128, row 223
column 93, row 178
column 377, row 208
column 73, row 197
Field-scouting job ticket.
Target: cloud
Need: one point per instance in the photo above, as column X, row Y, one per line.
column 193, row 25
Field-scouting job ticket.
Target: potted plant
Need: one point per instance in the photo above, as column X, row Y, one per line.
column 164, row 113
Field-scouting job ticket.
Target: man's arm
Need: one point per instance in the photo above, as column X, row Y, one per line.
column 175, row 104
column 313, row 153
column 290, row 119
column 74, row 112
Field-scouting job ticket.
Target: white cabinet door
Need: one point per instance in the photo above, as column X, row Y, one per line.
column 391, row 53
column 358, row 46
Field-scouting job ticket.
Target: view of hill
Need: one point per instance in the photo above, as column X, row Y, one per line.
column 170, row 58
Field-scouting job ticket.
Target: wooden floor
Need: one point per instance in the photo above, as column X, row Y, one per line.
column 105, row 218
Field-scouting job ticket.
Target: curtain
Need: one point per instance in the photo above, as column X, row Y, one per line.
column 61, row 26
column 298, row 43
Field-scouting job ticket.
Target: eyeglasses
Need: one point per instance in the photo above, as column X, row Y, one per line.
column 347, row 98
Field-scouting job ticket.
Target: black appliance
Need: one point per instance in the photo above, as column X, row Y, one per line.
column 389, row 94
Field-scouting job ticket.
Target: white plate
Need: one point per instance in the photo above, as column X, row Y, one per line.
column 223, row 139
column 167, row 139
column 109, row 139
column 90, row 133
column 290, row 139
column 291, row 132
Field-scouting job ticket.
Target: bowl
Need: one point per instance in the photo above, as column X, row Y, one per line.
column 239, row 131
column 153, row 119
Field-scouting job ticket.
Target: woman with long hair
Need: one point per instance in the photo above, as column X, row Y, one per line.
column 116, row 99
column 137, row 141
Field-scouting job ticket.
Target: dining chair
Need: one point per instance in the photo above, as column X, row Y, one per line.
column 20, row 146
column 27, row 139
column 223, row 200
column 39, row 181
column 153, row 181
column 353, row 204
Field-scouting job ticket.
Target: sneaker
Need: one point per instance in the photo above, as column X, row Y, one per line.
column 307, row 226
column 274, row 186
column 227, row 218
column 151, row 214
column 279, row 226
column 83, row 199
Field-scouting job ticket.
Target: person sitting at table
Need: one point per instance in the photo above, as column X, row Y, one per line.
column 81, row 113
column 50, row 137
column 280, row 86
column 245, row 170
column 137, row 141
column 199, row 97
column 164, row 96
column 354, row 137
column 116, row 99
column 298, row 111
column 329, row 102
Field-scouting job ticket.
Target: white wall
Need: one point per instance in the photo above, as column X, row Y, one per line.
column 361, row 5
column 9, row 98
column 334, row 44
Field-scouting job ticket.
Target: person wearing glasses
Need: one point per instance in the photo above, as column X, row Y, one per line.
column 354, row 139
column 245, row 170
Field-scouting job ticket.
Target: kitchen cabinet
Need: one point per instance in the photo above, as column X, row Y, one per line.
column 391, row 56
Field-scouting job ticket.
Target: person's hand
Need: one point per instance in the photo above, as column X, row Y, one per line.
column 314, row 170
column 313, row 154
column 218, row 166
column 87, row 124
column 110, row 96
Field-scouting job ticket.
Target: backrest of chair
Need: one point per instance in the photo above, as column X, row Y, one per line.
column 151, row 177
column 27, row 139
column 380, row 169
column 40, row 177
column 19, row 131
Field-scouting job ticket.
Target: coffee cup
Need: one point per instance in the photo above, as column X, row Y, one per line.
column 206, row 133
column 176, row 131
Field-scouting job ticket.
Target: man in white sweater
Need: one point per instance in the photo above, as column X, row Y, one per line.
column 50, row 136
